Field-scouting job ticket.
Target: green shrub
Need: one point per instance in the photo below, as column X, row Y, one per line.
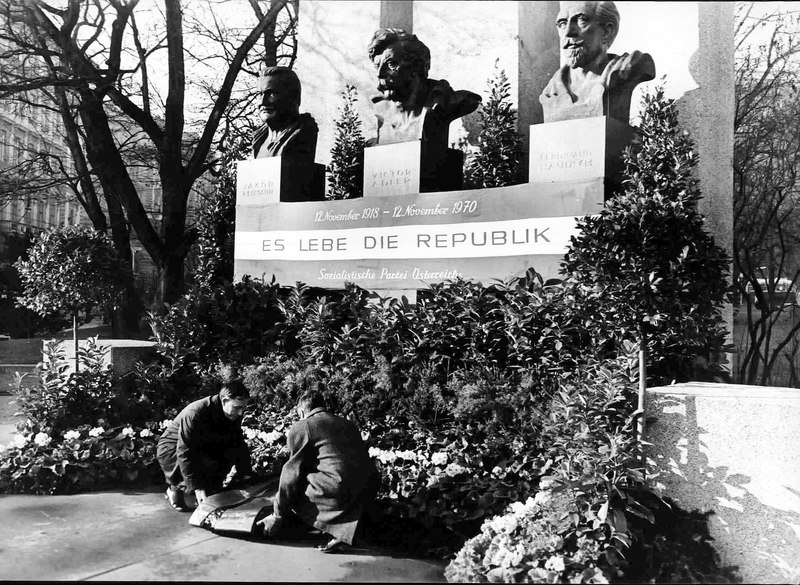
column 346, row 170
column 81, row 459
column 525, row 545
column 68, row 268
column 216, row 223
column 595, row 519
column 645, row 267
column 64, row 399
column 499, row 158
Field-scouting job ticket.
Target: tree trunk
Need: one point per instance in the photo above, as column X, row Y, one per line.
column 75, row 336
column 125, row 320
column 171, row 280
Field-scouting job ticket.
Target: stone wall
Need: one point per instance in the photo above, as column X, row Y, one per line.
column 122, row 354
column 734, row 451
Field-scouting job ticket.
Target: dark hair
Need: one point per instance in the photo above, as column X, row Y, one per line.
column 311, row 399
column 412, row 48
column 286, row 75
column 234, row 389
column 607, row 13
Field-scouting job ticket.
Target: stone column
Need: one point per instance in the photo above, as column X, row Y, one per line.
column 397, row 14
column 707, row 113
column 538, row 60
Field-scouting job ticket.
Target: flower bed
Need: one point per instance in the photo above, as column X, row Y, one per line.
column 81, row 459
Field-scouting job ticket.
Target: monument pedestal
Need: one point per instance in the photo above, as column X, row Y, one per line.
column 276, row 179
column 403, row 168
column 574, row 150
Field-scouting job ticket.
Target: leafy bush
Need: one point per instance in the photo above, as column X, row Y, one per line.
column 64, row 399
column 645, row 267
column 80, row 459
column 345, row 178
column 19, row 321
column 233, row 323
column 525, row 545
column 498, row 160
column 216, row 223
column 595, row 518
column 68, row 268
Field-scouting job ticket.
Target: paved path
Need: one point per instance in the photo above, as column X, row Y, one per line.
column 134, row 536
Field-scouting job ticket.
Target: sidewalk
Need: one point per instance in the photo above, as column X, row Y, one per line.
column 134, row 536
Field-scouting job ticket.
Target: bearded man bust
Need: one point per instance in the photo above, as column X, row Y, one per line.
column 592, row 82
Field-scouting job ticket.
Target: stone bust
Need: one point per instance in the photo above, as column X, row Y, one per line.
column 592, row 81
column 286, row 132
column 410, row 106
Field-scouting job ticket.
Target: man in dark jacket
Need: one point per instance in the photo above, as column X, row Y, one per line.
column 198, row 449
column 329, row 477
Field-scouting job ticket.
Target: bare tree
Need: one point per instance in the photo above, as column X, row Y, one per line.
column 167, row 73
column 767, row 192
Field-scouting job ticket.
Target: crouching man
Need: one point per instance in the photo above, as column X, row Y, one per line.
column 198, row 449
column 329, row 478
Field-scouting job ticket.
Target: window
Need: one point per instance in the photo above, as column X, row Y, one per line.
column 3, row 146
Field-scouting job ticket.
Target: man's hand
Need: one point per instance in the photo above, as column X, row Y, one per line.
column 271, row 525
column 199, row 495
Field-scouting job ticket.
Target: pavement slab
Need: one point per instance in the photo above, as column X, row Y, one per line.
column 135, row 536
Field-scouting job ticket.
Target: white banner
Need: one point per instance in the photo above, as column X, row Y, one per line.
column 519, row 237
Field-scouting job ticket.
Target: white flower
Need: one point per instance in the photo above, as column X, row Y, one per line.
column 407, row 455
column 555, row 564
column 145, row 433
column 250, row 433
column 503, row 524
column 96, row 431
column 20, row 441
column 42, row 439
column 387, row 457
column 547, row 483
column 164, row 423
column 128, row 432
column 374, row 452
column 273, row 436
column 72, row 435
column 542, row 497
column 365, row 435
column 439, row 458
column 454, row 469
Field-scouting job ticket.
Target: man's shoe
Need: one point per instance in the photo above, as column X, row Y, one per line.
column 334, row 546
column 175, row 498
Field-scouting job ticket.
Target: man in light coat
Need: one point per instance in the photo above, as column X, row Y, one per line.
column 329, row 477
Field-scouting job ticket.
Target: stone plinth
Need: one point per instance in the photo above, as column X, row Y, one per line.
column 275, row 179
column 574, row 150
column 122, row 354
column 734, row 450
column 403, row 168
column 392, row 169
